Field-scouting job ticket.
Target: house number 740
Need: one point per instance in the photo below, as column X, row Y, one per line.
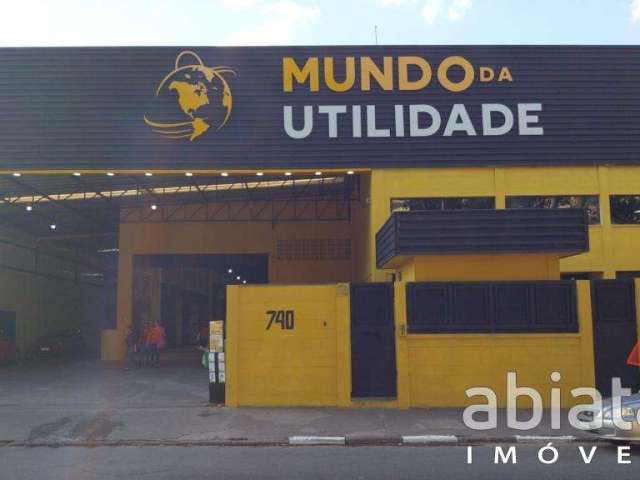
column 284, row 318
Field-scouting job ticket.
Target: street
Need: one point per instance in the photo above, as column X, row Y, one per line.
column 87, row 402
column 303, row 462
column 86, row 420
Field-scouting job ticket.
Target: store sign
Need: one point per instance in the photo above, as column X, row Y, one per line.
column 346, row 107
column 424, row 120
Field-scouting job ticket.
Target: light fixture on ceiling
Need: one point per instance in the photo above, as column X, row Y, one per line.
column 154, row 207
column 230, row 270
column 28, row 208
column 238, row 277
column 53, row 226
column 109, row 250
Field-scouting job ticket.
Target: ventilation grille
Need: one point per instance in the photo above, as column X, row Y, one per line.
column 314, row 249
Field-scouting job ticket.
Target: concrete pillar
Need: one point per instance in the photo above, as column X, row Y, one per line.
column 343, row 346
column 112, row 341
column 585, row 321
column 231, row 346
column 402, row 347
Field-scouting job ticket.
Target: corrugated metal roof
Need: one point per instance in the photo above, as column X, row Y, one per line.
column 67, row 108
column 91, row 204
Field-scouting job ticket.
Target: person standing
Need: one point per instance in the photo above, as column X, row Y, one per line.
column 143, row 346
column 156, row 340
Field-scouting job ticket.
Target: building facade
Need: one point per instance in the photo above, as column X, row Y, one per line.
column 475, row 151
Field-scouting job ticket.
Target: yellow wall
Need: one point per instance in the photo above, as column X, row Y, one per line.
column 307, row 366
column 224, row 238
column 241, row 238
column 480, row 268
column 435, row 370
column 278, row 367
column 311, row 365
column 46, row 304
column 612, row 247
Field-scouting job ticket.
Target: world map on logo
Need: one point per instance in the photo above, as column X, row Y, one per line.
column 202, row 95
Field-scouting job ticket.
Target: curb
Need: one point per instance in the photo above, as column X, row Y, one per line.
column 310, row 440
column 139, row 443
column 529, row 440
column 302, row 441
column 428, row 439
column 545, row 438
column 439, row 440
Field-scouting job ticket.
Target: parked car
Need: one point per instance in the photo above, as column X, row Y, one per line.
column 602, row 420
column 67, row 342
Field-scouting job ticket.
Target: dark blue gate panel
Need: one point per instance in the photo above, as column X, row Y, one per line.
column 614, row 333
column 492, row 307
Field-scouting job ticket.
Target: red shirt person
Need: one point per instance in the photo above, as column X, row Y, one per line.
column 634, row 356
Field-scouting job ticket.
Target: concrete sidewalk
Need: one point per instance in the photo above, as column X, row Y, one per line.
column 93, row 403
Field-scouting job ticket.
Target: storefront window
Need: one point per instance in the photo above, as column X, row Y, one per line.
column 588, row 202
column 449, row 203
column 625, row 209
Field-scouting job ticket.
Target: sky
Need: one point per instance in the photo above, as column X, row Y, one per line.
column 317, row 22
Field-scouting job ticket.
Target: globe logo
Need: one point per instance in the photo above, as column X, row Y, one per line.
column 199, row 98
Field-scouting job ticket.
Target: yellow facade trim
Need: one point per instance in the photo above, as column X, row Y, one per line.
column 402, row 351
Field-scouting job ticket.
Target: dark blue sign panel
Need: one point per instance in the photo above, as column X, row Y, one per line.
column 311, row 107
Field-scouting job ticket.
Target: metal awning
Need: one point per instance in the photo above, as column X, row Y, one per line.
column 84, row 210
column 481, row 232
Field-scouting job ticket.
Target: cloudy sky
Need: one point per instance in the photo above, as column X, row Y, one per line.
column 317, row 22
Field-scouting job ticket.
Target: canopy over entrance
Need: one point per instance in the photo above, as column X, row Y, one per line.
column 83, row 210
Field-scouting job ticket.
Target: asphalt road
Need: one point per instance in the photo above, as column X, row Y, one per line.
column 283, row 463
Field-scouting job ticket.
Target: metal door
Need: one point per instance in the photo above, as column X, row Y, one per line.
column 614, row 333
column 373, row 349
